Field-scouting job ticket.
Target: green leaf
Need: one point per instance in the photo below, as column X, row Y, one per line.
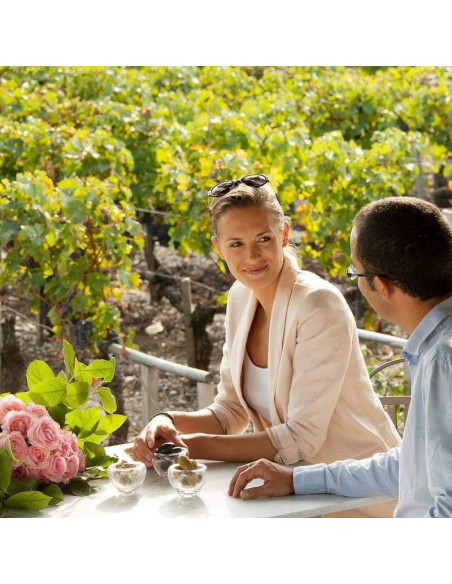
column 78, row 368
column 34, row 500
column 9, row 452
column 77, row 394
column 74, row 420
column 55, row 492
column 102, row 369
column 58, row 413
column 69, row 357
column 95, row 455
column 107, row 399
column 38, row 371
column 79, row 487
column 106, row 426
column 80, row 372
column 6, row 469
column 91, row 449
column 62, row 375
column 86, row 421
column 49, row 392
column 21, row 485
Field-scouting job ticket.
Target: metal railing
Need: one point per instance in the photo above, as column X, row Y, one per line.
column 381, row 338
column 149, row 369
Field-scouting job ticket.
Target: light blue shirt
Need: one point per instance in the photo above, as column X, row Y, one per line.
column 420, row 471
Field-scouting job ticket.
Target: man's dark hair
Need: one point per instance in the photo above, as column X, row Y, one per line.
column 409, row 240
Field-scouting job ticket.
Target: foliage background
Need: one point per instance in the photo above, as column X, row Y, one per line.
column 86, row 152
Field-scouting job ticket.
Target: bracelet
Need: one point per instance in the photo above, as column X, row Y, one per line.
column 163, row 414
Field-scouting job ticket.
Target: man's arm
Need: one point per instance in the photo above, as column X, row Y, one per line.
column 350, row 478
column 438, row 442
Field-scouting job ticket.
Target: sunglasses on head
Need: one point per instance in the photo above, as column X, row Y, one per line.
column 250, row 180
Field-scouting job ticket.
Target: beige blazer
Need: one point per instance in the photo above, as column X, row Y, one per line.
column 322, row 404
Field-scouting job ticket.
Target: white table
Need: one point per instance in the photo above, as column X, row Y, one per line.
column 157, row 499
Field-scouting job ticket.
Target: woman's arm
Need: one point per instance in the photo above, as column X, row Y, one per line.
column 161, row 429
column 322, row 356
column 203, row 421
column 210, row 444
column 236, row 448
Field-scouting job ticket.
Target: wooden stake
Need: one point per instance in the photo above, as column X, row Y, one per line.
column 189, row 332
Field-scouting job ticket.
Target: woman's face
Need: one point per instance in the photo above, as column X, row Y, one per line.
column 251, row 242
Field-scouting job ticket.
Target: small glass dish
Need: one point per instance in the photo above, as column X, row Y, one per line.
column 127, row 477
column 166, row 455
column 187, row 482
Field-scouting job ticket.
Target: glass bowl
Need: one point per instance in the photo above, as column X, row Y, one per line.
column 127, row 477
column 187, row 482
column 166, row 455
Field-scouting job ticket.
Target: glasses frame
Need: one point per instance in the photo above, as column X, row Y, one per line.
column 250, row 180
column 353, row 274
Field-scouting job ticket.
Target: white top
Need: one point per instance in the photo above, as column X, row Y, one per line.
column 255, row 388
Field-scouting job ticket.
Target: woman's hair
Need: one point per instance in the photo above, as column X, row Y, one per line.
column 263, row 197
column 409, row 240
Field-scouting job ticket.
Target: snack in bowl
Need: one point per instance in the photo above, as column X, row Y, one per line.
column 166, row 455
column 127, row 476
column 187, row 476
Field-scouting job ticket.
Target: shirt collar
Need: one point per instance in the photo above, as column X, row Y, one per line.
column 425, row 328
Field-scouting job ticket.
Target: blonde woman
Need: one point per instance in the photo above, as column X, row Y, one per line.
column 291, row 363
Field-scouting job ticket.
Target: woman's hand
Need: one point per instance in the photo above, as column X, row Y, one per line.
column 160, row 429
column 278, row 480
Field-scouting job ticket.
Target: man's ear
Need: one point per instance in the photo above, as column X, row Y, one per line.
column 384, row 286
column 217, row 247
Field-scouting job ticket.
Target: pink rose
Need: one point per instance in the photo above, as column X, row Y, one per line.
column 19, row 447
column 38, row 474
column 17, row 421
column 81, row 461
column 65, row 447
column 36, row 410
column 9, row 403
column 44, row 432
column 19, row 472
column 37, row 457
column 71, row 438
column 68, row 444
column 57, row 468
column 72, row 468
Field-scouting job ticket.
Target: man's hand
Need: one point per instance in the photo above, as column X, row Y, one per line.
column 278, row 480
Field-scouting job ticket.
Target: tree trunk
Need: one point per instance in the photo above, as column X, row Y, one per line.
column 13, row 363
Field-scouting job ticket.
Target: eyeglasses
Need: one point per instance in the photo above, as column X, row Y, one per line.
column 353, row 274
column 250, row 180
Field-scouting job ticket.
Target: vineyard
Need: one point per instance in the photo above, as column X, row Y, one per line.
column 99, row 163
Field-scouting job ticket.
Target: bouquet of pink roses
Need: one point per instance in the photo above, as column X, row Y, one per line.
column 42, row 449
column 50, row 440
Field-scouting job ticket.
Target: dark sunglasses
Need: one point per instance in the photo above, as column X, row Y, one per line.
column 250, row 180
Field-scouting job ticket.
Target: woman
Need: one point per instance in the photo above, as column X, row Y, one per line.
column 291, row 363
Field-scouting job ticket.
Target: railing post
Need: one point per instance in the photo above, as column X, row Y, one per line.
column 149, row 392
column 189, row 333
column 419, row 180
column 206, row 394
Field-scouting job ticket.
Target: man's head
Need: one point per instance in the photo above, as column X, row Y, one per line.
column 409, row 241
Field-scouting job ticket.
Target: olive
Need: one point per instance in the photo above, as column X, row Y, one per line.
column 167, row 448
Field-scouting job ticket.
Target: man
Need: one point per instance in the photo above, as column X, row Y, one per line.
column 401, row 249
